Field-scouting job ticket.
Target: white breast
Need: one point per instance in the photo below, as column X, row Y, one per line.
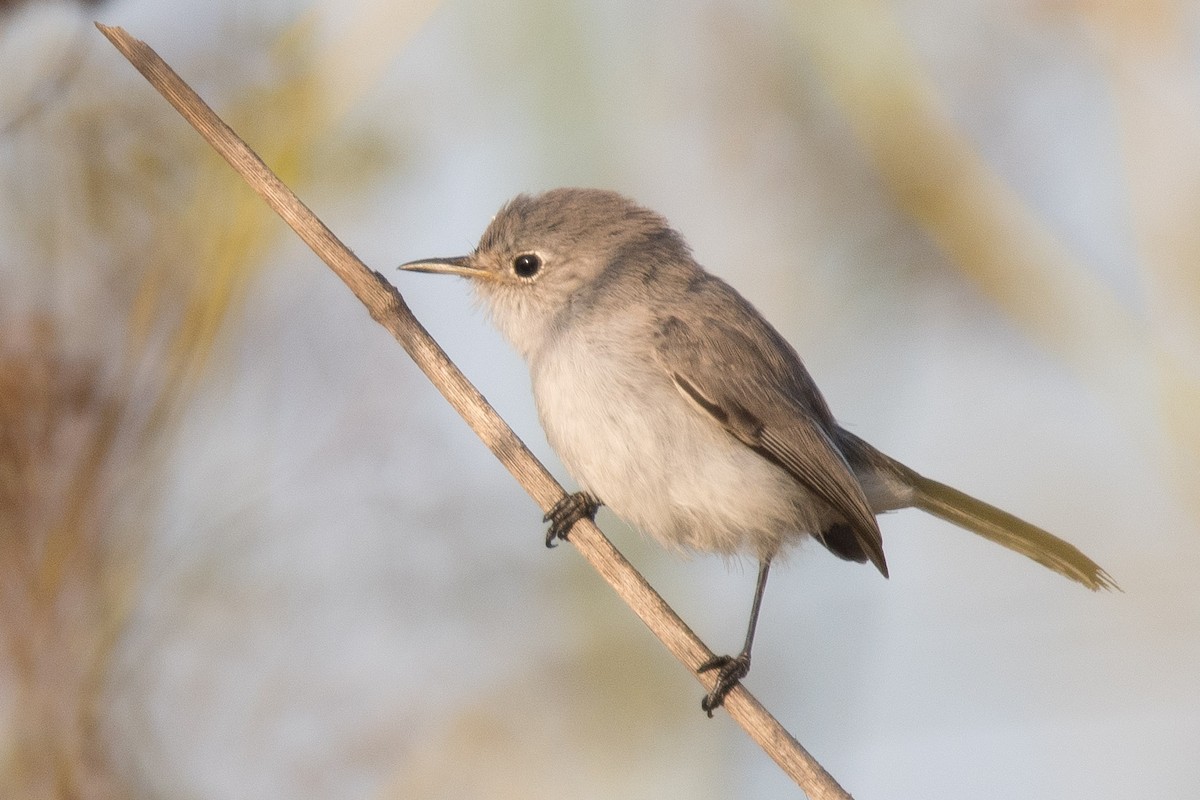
column 627, row 436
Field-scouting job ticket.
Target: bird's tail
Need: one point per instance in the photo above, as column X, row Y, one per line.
column 893, row 485
column 1003, row 528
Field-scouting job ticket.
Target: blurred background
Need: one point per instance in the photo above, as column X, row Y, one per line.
column 247, row 551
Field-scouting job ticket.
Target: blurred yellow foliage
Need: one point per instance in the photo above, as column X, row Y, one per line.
column 1139, row 362
column 169, row 240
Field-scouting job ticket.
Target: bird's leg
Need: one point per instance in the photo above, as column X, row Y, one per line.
column 731, row 669
column 566, row 512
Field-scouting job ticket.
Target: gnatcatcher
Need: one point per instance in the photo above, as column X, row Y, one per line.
column 671, row 400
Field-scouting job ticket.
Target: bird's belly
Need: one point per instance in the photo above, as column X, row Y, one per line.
column 664, row 466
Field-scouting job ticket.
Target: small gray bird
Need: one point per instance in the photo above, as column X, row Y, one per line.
column 671, row 400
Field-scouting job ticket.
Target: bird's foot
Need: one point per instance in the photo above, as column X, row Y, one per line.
column 730, row 671
column 566, row 513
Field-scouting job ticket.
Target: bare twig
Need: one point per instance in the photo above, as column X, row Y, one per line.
column 389, row 309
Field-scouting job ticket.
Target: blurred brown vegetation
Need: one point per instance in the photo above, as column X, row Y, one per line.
column 137, row 245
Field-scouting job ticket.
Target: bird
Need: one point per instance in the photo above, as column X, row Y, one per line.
column 670, row 399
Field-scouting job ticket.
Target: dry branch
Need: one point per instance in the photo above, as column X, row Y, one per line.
column 388, row 308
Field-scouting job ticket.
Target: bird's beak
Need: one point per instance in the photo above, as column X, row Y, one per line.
column 459, row 265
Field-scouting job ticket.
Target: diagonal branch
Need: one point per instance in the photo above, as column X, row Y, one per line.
column 388, row 308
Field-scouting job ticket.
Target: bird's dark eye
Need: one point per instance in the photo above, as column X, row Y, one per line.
column 527, row 265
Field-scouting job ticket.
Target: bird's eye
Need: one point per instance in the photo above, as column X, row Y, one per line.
column 527, row 265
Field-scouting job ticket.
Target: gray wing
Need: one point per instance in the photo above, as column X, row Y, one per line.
column 752, row 384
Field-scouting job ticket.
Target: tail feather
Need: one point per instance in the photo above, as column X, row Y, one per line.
column 1004, row 529
column 891, row 485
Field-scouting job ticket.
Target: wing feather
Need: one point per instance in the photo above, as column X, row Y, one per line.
column 762, row 396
